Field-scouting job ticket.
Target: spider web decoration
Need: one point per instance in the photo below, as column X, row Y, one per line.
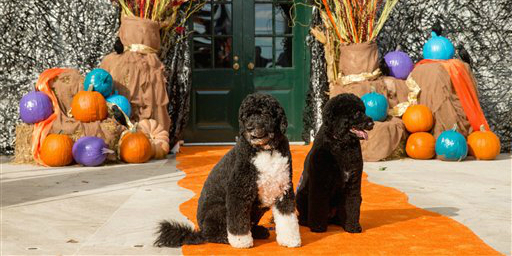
column 484, row 28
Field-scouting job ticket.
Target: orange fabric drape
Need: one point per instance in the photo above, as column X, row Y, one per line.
column 42, row 128
column 465, row 89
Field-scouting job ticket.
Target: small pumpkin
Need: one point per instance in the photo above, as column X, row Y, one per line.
column 399, row 64
column 421, row 145
column 101, row 80
column 122, row 102
column 418, row 118
column 56, row 150
column 438, row 48
column 157, row 135
column 376, row 105
column 451, row 145
column 90, row 151
column 484, row 145
column 35, row 107
column 89, row 106
column 135, row 147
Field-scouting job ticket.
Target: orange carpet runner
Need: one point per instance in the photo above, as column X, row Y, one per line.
column 391, row 226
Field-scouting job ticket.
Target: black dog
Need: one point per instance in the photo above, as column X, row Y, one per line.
column 251, row 178
column 330, row 189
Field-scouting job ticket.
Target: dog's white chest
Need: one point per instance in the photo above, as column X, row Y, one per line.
column 273, row 176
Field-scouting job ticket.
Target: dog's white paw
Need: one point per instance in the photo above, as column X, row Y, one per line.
column 287, row 228
column 240, row 241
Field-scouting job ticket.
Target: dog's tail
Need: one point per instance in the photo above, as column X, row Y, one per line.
column 175, row 234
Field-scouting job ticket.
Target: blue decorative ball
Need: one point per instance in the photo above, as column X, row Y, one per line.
column 451, row 146
column 101, row 80
column 376, row 106
column 438, row 48
column 122, row 102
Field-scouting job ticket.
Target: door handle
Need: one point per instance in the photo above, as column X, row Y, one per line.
column 236, row 66
column 250, row 66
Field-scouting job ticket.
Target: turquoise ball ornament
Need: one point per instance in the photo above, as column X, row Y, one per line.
column 122, row 102
column 101, row 81
column 376, row 106
column 451, row 146
column 438, row 48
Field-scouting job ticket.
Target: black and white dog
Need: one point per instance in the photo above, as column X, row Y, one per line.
column 253, row 177
column 330, row 188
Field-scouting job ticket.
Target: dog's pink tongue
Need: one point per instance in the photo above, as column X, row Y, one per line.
column 361, row 134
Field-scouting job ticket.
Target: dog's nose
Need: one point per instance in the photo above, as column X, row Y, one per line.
column 369, row 125
column 258, row 132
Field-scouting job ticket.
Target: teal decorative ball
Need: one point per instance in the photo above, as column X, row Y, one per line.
column 451, row 146
column 376, row 106
column 122, row 102
column 438, row 48
column 101, row 81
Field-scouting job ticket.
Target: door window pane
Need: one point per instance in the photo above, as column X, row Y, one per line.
column 263, row 52
column 263, row 19
column 223, row 47
column 202, row 52
column 283, row 18
column 222, row 18
column 284, row 51
column 202, row 20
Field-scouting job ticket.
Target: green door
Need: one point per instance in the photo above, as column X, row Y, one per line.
column 240, row 47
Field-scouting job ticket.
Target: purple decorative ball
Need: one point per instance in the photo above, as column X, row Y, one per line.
column 399, row 64
column 35, row 107
column 90, row 151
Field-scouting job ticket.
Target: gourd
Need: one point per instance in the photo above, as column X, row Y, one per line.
column 420, row 145
column 484, row 145
column 56, row 150
column 451, row 145
column 418, row 118
column 35, row 107
column 376, row 105
column 101, row 80
column 399, row 63
column 438, row 48
column 89, row 106
column 90, row 151
column 157, row 135
column 122, row 102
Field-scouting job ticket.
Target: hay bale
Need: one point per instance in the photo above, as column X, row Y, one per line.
column 23, row 144
column 399, row 152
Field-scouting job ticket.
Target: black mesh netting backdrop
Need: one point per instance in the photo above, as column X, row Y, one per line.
column 40, row 34
column 484, row 28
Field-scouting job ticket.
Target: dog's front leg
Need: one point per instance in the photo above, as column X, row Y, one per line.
column 239, row 199
column 287, row 224
column 352, row 204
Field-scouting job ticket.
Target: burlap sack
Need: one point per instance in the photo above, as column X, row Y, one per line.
column 358, row 58
column 438, row 94
column 383, row 140
column 65, row 86
column 138, row 73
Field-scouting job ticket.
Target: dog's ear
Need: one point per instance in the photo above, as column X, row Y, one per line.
column 281, row 119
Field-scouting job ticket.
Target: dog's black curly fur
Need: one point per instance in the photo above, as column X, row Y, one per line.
column 330, row 189
column 229, row 199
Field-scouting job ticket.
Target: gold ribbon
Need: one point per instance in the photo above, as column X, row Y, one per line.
column 139, row 48
column 349, row 79
column 412, row 98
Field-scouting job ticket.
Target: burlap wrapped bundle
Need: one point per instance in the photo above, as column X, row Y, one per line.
column 438, row 94
column 138, row 73
column 358, row 66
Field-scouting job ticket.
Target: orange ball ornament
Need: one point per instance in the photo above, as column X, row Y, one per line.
column 135, row 147
column 418, row 118
column 421, row 145
column 484, row 145
column 89, row 106
column 57, row 150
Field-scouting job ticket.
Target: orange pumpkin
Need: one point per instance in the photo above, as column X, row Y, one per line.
column 418, row 118
column 157, row 135
column 135, row 147
column 57, row 150
column 484, row 145
column 421, row 145
column 89, row 106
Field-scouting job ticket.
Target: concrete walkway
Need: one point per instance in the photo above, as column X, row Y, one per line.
column 113, row 210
